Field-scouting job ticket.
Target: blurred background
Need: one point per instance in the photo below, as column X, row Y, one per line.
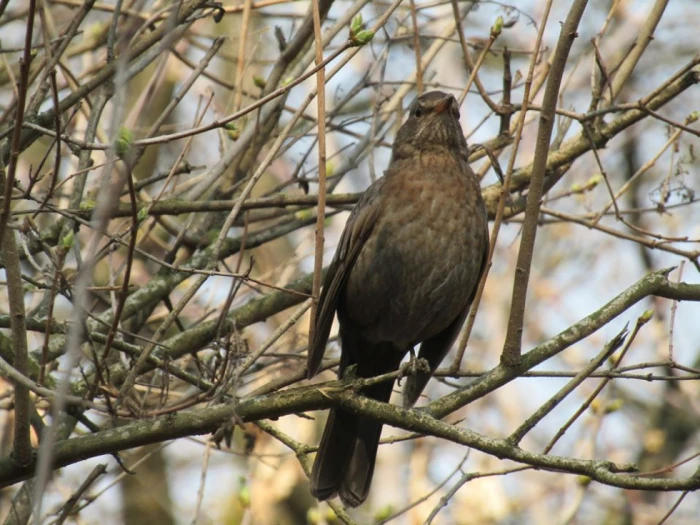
column 140, row 72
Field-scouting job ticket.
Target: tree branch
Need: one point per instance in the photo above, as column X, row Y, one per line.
column 513, row 343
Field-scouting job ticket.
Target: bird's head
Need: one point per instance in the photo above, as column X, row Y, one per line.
column 432, row 125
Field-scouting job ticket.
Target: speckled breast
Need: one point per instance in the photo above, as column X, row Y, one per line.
column 419, row 267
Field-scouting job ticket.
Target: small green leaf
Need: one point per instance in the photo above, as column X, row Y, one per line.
column 142, row 214
column 259, row 81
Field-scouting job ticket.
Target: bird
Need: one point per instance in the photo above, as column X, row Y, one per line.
column 404, row 273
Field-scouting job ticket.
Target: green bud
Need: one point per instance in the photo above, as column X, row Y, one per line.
column 330, row 515
column 497, row 27
column 695, row 115
column 614, row 406
column 303, row 214
column 123, row 143
column 362, row 38
column 95, row 31
column 259, row 81
column 142, row 214
column 87, row 204
column 313, row 516
column 232, row 130
column 356, row 24
column 594, row 181
column 244, row 493
column 67, row 241
column 383, row 513
column 583, row 480
column 646, row 316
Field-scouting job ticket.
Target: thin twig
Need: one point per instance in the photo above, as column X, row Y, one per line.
column 672, row 322
column 67, row 509
column 416, row 48
column 321, row 214
column 552, row 403
column 25, row 62
column 641, row 321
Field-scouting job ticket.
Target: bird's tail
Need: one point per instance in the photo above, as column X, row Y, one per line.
column 345, row 460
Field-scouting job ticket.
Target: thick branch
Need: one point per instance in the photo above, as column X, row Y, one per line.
column 513, row 343
column 206, row 420
column 22, row 449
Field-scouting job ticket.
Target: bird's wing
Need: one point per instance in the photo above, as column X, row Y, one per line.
column 436, row 348
column 356, row 232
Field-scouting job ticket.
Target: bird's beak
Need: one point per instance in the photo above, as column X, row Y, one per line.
column 443, row 105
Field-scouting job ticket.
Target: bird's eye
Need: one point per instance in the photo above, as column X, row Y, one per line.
column 418, row 112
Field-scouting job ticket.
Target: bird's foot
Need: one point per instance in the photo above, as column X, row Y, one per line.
column 350, row 373
column 414, row 366
column 346, row 379
column 422, row 365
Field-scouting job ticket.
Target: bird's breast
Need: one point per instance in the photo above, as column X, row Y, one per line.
column 418, row 268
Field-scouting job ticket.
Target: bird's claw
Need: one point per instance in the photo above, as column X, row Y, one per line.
column 403, row 372
column 422, row 365
column 414, row 366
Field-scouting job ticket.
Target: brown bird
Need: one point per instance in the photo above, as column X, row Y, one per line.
column 405, row 272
